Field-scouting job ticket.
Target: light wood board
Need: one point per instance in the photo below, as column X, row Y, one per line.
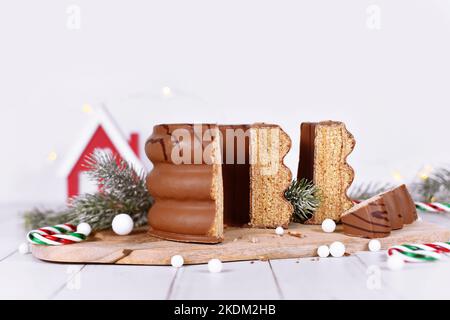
column 240, row 244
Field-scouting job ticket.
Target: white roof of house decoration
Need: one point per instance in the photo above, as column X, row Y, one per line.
column 101, row 117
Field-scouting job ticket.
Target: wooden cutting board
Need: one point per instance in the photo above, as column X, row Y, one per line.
column 240, row 244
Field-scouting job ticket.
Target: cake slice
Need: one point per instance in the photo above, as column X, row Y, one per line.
column 269, row 177
column 324, row 148
column 368, row 219
column 400, row 206
column 408, row 207
column 208, row 176
column 377, row 216
column 186, row 183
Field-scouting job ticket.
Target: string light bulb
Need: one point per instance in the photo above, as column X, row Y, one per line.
column 52, row 156
column 166, row 91
column 87, row 108
column 397, row 176
column 424, row 174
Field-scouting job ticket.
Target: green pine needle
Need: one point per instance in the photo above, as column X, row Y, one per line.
column 123, row 191
column 435, row 188
column 304, row 197
column 366, row 191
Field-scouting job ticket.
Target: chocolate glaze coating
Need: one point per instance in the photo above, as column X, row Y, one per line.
column 369, row 219
column 377, row 216
column 194, row 200
column 185, row 208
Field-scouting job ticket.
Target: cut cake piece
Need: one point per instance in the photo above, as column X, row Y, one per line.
column 324, row 148
column 188, row 197
column 377, row 216
column 269, row 177
column 368, row 219
column 242, row 185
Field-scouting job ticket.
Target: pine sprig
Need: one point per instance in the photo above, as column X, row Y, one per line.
column 435, row 188
column 122, row 191
column 304, row 197
column 366, row 191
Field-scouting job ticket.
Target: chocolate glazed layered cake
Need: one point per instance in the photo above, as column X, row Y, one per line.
column 368, row 219
column 240, row 180
column 377, row 216
column 324, row 148
column 269, row 177
column 185, row 183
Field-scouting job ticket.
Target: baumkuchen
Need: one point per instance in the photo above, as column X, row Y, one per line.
column 208, row 176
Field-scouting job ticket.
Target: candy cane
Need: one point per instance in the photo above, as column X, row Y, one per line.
column 420, row 252
column 55, row 235
column 427, row 206
column 433, row 206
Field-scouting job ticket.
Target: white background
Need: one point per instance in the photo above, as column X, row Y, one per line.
column 229, row 62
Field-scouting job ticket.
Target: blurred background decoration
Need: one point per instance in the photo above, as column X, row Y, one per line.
column 370, row 65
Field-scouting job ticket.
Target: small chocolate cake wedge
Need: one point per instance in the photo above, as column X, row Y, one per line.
column 406, row 204
column 400, row 206
column 368, row 219
column 324, row 148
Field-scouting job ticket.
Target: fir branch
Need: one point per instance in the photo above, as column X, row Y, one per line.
column 123, row 191
column 435, row 188
column 304, row 197
column 368, row 190
column 36, row 218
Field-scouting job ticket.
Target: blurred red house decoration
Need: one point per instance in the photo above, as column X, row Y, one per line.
column 102, row 134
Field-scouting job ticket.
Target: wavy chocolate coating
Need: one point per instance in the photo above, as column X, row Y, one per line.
column 194, row 200
column 269, row 207
column 369, row 219
column 375, row 217
column 185, row 204
column 324, row 149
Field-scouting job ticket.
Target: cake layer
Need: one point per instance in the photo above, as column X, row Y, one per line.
column 186, row 183
column 375, row 217
column 394, row 209
column 269, row 177
column 183, row 217
column 193, row 182
column 406, row 204
column 206, row 176
column 400, row 205
column 324, row 148
column 180, row 143
column 369, row 219
column 236, row 174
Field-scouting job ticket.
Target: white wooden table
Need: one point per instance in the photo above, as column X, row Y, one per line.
column 360, row 276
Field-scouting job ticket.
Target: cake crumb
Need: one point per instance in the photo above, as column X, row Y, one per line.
column 254, row 240
column 295, row 234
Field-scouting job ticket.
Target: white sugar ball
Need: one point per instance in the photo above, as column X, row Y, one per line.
column 122, row 224
column 279, row 231
column 323, row 251
column 395, row 263
column 337, row 249
column 215, row 266
column 374, row 245
column 24, row 248
column 177, row 261
column 328, row 225
column 84, row 228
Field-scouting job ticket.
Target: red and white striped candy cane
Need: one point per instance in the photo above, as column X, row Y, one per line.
column 55, row 235
column 420, row 252
column 433, row 206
